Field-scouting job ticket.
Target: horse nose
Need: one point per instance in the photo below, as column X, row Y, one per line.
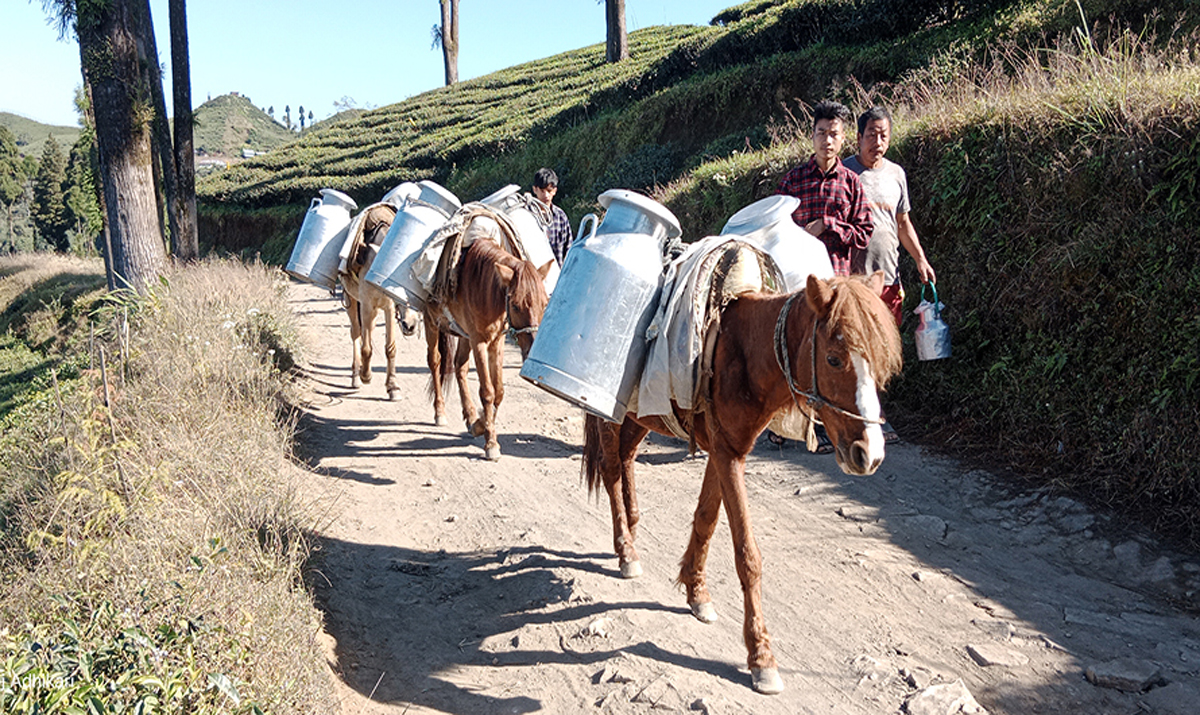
column 861, row 460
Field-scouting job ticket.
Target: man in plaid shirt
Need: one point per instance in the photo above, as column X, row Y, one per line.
column 545, row 186
column 832, row 205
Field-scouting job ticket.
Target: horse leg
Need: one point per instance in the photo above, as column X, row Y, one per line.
column 464, row 394
column 366, row 318
column 389, row 347
column 729, row 471
column 629, row 438
column 486, row 424
column 691, row 567
column 355, row 339
column 434, row 355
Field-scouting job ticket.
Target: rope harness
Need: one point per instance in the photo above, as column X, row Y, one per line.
column 813, row 399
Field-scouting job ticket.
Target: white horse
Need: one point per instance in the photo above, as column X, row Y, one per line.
column 364, row 301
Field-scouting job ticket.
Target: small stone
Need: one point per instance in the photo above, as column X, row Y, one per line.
column 599, row 627
column 452, row 518
column 516, row 641
column 1161, row 571
column 1125, row 674
column 917, row 678
column 1000, row 630
column 702, row 706
column 989, row 654
column 1173, row 699
column 944, row 699
column 429, row 483
column 1129, row 554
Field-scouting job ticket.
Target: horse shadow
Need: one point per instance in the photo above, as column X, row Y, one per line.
column 386, row 609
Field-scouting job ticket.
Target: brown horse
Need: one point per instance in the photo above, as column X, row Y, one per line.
column 838, row 329
column 494, row 290
column 364, row 302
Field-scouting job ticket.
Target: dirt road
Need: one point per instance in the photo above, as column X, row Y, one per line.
column 456, row 585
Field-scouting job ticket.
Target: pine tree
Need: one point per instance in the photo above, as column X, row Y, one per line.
column 12, row 177
column 82, row 193
column 48, row 211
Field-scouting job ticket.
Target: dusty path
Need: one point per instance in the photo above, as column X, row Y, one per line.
column 451, row 584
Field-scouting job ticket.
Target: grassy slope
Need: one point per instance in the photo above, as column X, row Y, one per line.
column 32, row 135
column 230, row 123
column 1057, row 277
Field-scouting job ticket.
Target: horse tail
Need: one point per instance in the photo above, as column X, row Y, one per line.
column 448, row 344
column 590, row 469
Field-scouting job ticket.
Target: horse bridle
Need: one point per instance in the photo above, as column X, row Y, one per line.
column 517, row 331
column 813, row 398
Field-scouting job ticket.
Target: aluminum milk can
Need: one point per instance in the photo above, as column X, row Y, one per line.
column 395, row 197
column 417, row 219
column 315, row 256
column 592, row 344
column 768, row 223
column 529, row 226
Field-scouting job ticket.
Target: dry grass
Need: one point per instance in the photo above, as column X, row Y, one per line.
column 179, row 505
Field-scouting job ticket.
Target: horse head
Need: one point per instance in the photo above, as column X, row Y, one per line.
column 525, row 301
column 408, row 318
column 855, row 352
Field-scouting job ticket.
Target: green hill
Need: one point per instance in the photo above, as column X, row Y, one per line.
column 31, row 135
column 228, row 124
column 1051, row 148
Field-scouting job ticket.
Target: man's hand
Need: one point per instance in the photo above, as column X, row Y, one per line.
column 926, row 271
column 815, row 227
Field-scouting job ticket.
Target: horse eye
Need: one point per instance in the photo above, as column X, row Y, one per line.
column 834, row 361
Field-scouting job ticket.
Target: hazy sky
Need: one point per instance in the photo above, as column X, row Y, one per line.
column 302, row 52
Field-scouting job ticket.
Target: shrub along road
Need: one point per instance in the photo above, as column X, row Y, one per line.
column 453, row 584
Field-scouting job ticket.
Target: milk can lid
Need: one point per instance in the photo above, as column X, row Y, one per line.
column 760, row 214
column 497, row 199
column 401, row 192
column 646, row 205
column 438, row 195
column 333, row 196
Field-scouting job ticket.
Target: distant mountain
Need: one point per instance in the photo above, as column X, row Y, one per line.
column 228, row 124
column 32, row 135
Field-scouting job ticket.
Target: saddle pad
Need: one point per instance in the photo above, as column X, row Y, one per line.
column 697, row 286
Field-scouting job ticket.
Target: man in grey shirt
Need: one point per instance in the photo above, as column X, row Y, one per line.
column 886, row 190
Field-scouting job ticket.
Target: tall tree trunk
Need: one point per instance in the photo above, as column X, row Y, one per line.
column 187, row 246
column 450, row 39
column 121, row 103
column 164, row 158
column 617, row 47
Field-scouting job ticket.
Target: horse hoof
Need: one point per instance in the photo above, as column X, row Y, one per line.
column 440, row 420
column 704, row 612
column 631, row 569
column 492, row 453
column 766, row 681
column 476, row 429
column 392, row 394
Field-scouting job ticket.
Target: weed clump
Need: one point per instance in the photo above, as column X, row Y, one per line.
column 154, row 535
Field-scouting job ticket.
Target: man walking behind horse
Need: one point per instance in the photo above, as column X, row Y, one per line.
column 886, row 188
column 545, row 186
column 832, row 205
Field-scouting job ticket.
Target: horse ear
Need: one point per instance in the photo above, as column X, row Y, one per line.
column 875, row 282
column 545, row 270
column 506, row 274
column 819, row 295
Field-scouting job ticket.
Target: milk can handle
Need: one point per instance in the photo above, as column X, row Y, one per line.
column 583, row 222
column 315, row 203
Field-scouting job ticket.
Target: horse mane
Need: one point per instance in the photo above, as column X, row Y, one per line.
column 866, row 326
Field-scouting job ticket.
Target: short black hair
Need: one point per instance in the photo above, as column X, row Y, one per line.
column 545, row 178
column 871, row 115
column 831, row 110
